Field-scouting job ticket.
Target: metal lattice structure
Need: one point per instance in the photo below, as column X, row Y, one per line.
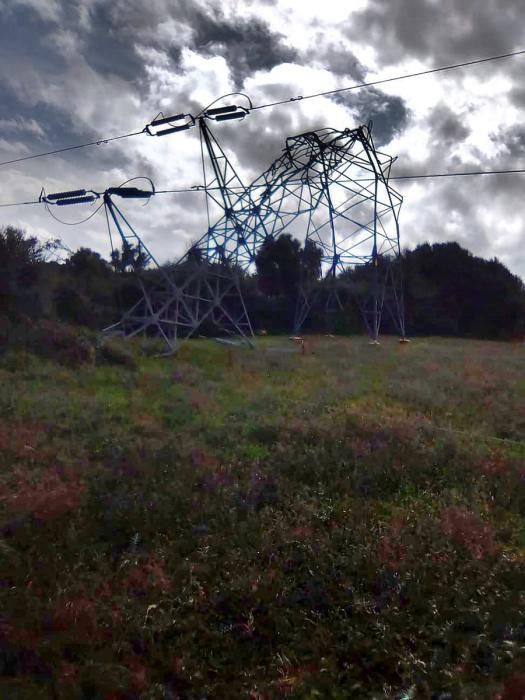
column 203, row 288
column 328, row 187
column 331, row 188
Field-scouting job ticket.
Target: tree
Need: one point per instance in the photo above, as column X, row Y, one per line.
column 311, row 260
column 129, row 258
column 283, row 265
column 20, row 259
column 449, row 291
column 85, row 290
column 87, row 263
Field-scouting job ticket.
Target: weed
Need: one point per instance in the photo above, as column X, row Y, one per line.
column 339, row 524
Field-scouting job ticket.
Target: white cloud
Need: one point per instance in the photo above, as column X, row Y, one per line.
column 75, row 99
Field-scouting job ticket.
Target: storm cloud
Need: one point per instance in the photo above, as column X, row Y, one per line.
column 389, row 115
column 75, row 71
column 445, row 32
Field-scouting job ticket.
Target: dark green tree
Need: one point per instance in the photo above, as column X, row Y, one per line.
column 449, row 291
column 21, row 258
column 129, row 258
column 283, row 264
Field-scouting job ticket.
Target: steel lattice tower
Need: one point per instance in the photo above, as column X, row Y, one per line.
column 331, row 188
column 328, row 187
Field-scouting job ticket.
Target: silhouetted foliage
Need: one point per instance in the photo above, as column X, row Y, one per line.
column 87, row 263
column 283, row 264
column 447, row 290
column 20, row 259
column 129, row 258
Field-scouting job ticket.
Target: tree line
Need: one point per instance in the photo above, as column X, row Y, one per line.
column 447, row 290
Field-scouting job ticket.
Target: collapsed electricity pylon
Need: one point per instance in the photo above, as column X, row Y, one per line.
column 332, row 187
column 209, row 274
column 355, row 223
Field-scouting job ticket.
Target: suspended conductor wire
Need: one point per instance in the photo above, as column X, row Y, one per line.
column 372, row 83
column 73, row 223
column 98, row 142
column 464, row 174
column 19, row 204
column 289, row 100
column 421, row 176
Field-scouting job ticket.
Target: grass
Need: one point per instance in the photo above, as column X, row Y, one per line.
column 347, row 523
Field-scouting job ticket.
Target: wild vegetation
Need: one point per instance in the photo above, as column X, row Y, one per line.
column 344, row 523
column 447, row 290
column 334, row 521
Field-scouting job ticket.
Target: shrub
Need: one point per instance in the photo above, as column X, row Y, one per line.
column 58, row 342
column 111, row 352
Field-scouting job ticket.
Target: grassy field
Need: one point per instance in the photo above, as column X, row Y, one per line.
column 347, row 523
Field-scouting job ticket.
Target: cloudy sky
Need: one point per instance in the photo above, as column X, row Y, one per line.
column 76, row 70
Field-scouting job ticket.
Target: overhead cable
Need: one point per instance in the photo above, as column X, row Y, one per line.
column 326, row 93
column 417, row 74
column 98, row 142
column 420, row 176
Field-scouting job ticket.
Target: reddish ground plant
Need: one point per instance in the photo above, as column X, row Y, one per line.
column 20, row 440
column 68, row 674
column 78, row 614
column 513, row 688
column 146, row 575
column 48, row 498
column 496, row 464
column 197, row 399
column 467, row 531
column 138, row 674
column 392, row 549
column 202, row 458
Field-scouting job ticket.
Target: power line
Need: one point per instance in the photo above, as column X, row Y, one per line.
column 74, row 223
column 289, row 100
column 19, row 204
column 98, row 142
column 394, row 78
column 420, row 176
column 464, row 174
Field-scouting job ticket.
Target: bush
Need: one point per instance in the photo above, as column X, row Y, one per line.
column 58, row 342
column 110, row 352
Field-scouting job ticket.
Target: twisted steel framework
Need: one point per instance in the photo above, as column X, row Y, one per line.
column 328, row 186
column 332, row 188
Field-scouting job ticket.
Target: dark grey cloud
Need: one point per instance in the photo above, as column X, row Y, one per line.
column 388, row 113
column 24, row 35
column 446, row 127
column 513, row 140
column 335, row 57
column 247, row 45
column 517, row 95
column 109, row 46
column 444, row 31
column 118, row 28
